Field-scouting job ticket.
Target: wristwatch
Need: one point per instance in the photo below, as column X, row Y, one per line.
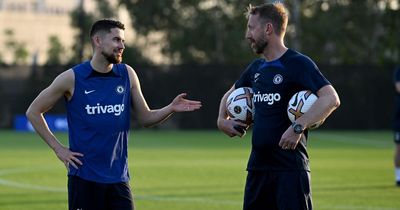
column 298, row 128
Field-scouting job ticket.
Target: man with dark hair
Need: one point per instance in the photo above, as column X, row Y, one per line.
column 278, row 170
column 98, row 94
column 105, row 25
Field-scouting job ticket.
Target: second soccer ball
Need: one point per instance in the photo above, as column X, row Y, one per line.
column 299, row 104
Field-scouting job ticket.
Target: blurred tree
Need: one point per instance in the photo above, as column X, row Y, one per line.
column 351, row 32
column 333, row 32
column 21, row 54
column 10, row 42
column 83, row 21
column 202, row 31
column 1, row 60
column 55, row 51
column 389, row 41
column 105, row 8
column 18, row 49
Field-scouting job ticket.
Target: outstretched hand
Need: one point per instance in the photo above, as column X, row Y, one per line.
column 180, row 104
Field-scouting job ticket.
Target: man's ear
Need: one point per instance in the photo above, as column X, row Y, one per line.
column 269, row 29
column 96, row 40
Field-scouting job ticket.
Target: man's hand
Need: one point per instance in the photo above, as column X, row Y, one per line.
column 232, row 128
column 289, row 139
column 68, row 157
column 180, row 104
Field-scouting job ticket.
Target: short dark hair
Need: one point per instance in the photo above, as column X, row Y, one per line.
column 105, row 25
column 274, row 12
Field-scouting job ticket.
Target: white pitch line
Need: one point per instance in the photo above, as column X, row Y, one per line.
column 23, row 170
column 350, row 207
column 181, row 200
column 30, row 186
column 188, row 200
column 21, row 185
column 353, row 140
column 8, row 183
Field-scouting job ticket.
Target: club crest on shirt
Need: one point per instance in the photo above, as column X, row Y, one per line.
column 278, row 79
column 256, row 75
column 120, row 89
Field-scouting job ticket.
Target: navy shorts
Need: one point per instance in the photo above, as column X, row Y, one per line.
column 87, row 195
column 277, row 190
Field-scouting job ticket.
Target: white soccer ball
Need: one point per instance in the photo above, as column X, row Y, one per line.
column 240, row 105
column 299, row 104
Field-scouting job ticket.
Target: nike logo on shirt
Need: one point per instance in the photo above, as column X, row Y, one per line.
column 89, row 91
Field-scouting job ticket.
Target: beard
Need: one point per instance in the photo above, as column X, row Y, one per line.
column 112, row 58
column 259, row 45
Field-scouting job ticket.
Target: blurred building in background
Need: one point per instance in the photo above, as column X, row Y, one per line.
column 32, row 22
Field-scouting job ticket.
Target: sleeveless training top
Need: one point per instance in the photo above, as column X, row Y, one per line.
column 98, row 120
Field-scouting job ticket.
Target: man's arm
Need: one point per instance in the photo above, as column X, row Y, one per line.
column 149, row 117
column 223, row 123
column 327, row 102
column 62, row 85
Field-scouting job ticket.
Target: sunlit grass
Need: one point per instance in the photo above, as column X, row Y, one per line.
column 197, row 170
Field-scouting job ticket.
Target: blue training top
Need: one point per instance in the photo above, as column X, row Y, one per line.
column 274, row 83
column 98, row 121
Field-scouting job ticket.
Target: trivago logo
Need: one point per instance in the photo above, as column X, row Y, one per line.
column 116, row 109
column 270, row 98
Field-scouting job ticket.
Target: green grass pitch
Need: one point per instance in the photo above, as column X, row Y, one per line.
column 205, row 170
